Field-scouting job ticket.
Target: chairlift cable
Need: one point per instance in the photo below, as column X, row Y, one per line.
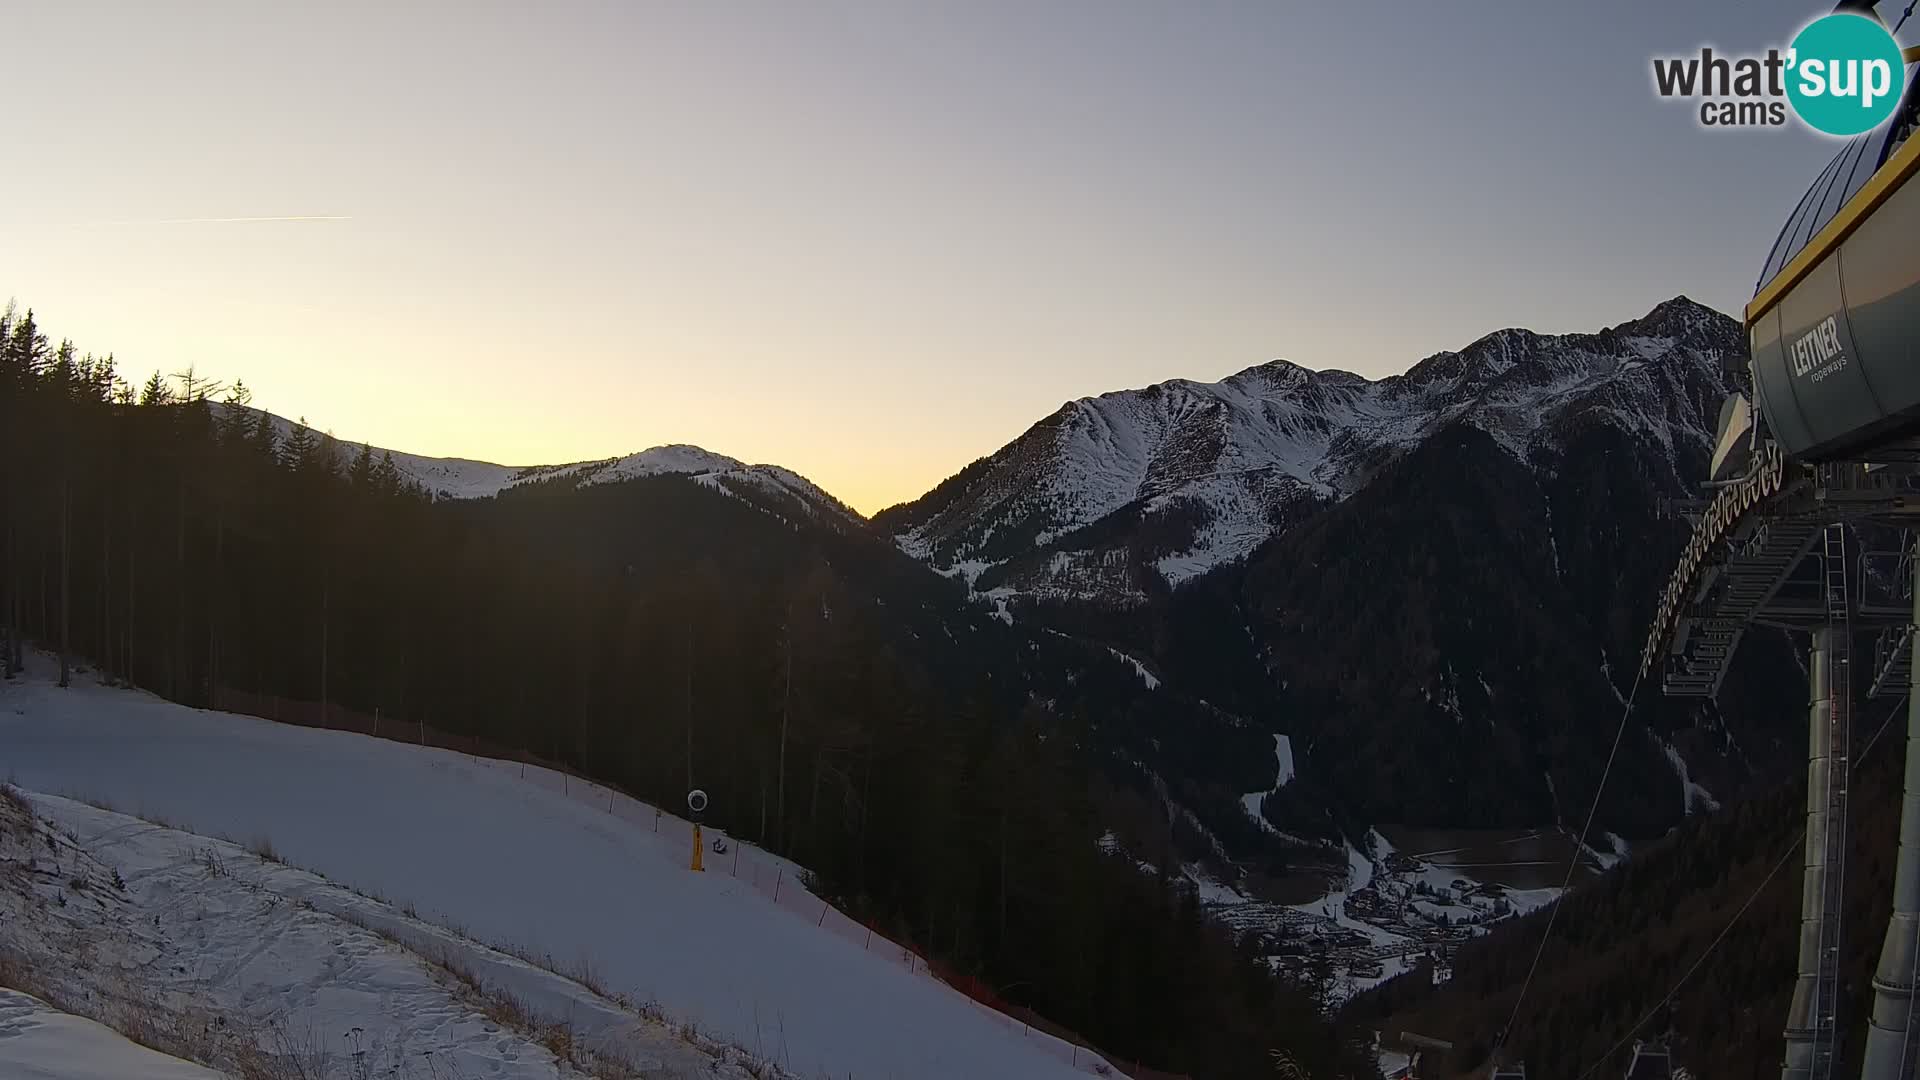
column 1859, row 759
column 1573, row 859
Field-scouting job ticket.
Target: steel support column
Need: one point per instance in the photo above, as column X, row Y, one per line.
column 1803, row 1017
column 1891, row 1053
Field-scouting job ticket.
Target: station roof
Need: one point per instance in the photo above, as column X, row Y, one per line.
column 1859, row 158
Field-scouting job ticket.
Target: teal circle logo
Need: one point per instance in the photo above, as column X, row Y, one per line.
column 1844, row 74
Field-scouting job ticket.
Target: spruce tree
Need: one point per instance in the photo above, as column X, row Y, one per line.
column 25, row 348
column 386, row 476
column 326, row 457
column 236, row 423
column 296, row 454
column 63, row 372
column 361, row 475
column 263, row 442
column 156, row 391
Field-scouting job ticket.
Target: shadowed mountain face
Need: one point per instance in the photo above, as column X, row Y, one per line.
column 1436, row 584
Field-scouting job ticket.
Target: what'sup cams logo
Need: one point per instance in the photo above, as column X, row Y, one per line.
column 1842, row 75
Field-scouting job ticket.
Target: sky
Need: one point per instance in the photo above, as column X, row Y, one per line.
column 867, row 241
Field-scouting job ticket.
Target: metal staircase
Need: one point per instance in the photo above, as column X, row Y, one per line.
column 1893, row 650
column 1755, row 567
column 1892, row 662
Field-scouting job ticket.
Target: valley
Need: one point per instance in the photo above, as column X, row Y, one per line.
column 1398, row 909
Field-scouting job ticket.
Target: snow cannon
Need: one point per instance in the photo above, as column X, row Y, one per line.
column 696, row 805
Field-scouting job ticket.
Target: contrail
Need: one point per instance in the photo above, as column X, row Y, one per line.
column 212, row 220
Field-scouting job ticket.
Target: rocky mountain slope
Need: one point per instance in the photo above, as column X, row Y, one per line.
column 1118, row 496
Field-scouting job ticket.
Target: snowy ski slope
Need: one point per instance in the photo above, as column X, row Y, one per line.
column 39, row 1042
column 510, row 860
column 217, row 954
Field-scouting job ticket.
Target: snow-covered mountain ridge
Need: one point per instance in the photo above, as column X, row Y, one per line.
column 464, row 478
column 1181, row 476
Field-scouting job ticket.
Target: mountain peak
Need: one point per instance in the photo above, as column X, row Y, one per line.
column 680, row 458
column 1674, row 318
column 1277, row 374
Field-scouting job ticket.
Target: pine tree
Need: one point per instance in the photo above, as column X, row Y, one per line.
column 386, row 477
column 193, row 387
column 25, row 349
column 296, row 454
column 63, row 371
column 156, row 391
column 263, row 442
column 93, row 377
column 236, row 423
column 361, row 475
column 326, row 459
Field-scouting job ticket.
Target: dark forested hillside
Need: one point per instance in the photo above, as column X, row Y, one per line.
column 1484, row 616
column 1621, row 945
column 936, row 767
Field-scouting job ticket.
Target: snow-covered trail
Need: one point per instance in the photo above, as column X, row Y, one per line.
column 475, row 847
column 39, row 1042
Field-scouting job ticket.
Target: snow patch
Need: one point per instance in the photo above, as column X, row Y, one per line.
column 1359, row 869
column 1283, row 755
column 1210, row 890
column 1139, row 668
column 1693, row 793
column 1529, row 900
column 1255, row 802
